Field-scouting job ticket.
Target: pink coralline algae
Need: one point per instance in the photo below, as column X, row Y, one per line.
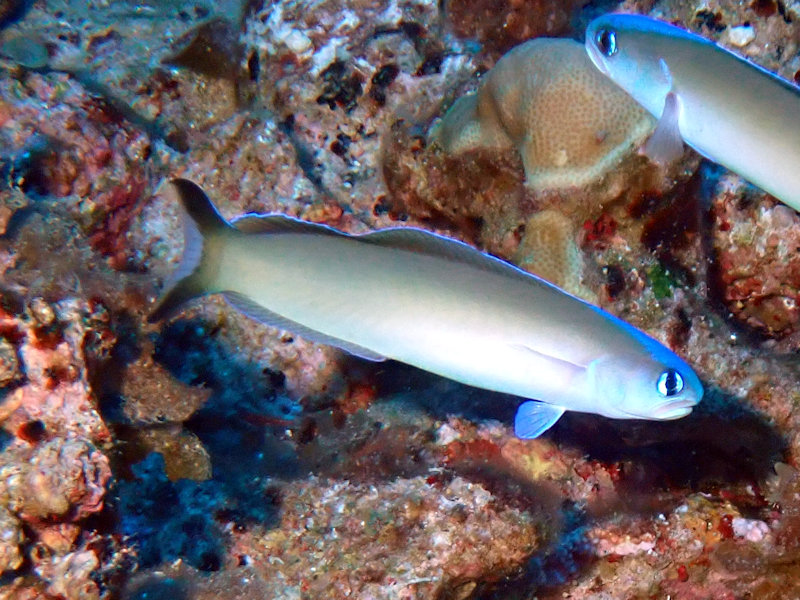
column 52, row 474
column 56, row 390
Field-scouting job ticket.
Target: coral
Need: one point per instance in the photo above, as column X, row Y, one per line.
column 548, row 249
column 212, row 423
column 569, row 123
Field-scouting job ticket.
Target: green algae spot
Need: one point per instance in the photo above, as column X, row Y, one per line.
column 662, row 281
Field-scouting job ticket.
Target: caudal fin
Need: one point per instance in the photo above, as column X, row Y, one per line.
column 203, row 233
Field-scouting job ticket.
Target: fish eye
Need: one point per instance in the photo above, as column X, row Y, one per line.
column 669, row 383
column 606, row 40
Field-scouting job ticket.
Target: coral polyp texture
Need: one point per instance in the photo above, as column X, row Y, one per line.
column 544, row 98
column 213, row 458
column 549, row 249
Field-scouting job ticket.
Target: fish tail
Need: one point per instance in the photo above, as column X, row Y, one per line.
column 204, row 231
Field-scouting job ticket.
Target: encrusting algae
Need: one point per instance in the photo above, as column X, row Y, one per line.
column 569, row 123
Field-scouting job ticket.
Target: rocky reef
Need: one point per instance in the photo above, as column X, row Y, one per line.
column 211, row 457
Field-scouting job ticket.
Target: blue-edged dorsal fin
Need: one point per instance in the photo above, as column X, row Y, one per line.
column 259, row 313
column 402, row 238
column 432, row 244
column 533, row 418
column 273, row 223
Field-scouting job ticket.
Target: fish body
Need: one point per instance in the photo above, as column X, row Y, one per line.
column 434, row 303
column 725, row 107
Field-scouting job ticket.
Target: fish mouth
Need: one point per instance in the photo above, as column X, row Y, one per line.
column 674, row 409
column 667, row 411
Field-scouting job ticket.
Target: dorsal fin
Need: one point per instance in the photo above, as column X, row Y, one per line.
column 254, row 223
column 432, row 244
column 401, row 238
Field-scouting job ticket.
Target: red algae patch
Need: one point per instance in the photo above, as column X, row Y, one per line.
column 501, row 24
column 757, row 269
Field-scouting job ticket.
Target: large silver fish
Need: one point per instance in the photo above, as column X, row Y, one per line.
column 434, row 303
column 728, row 109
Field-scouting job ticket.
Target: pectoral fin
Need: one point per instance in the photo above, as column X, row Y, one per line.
column 666, row 144
column 534, row 418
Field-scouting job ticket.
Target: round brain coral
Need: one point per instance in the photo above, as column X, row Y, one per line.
column 569, row 122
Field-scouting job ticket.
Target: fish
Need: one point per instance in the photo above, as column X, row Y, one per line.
column 432, row 302
column 728, row 109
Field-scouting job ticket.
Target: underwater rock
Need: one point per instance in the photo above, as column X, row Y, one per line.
column 11, row 10
column 183, row 453
column 152, row 395
column 757, row 265
column 500, row 24
column 450, row 508
column 179, row 580
column 405, row 537
column 11, row 537
column 211, row 49
column 11, row 201
column 336, row 95
column 480, row 196
column 569, row 123
column 26, row 51
column 70, row 575
column 56, row 392
column 9, row 365
column 61, row 480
